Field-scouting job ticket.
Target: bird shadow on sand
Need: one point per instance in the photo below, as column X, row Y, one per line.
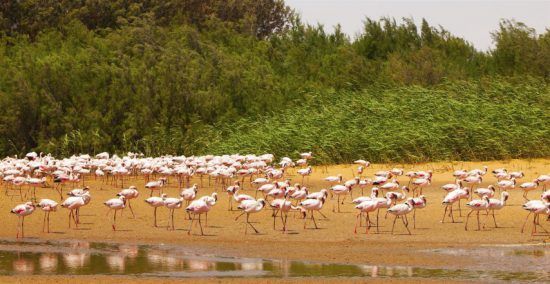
column 123, row 230
column 57, row 232
column 82, row 229
column 205, row 235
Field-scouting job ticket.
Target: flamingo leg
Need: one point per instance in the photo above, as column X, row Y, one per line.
column 523, row 227
column 131, row 210
column 114, row 221
column 200, row 225
column 236, row 218
column 248, row 222
column 44, row 221
column 155, row 214
column 393, row 226
column 357, row 221
column 406, row 223
column 313, row 218
column 468, row 217
column 190, row 226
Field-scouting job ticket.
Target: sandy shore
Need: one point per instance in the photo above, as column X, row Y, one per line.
column 333, row 242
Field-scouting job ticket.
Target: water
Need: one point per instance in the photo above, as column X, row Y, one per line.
column 85, row 258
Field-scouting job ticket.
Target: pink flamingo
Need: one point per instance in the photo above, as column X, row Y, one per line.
column 155, row 202
column 129, row 194
column 417, row 203
column 477, row 205
column 497, row 204
column 451, row 198
column 115, row 204
column 312, row 205
column 528, row 186
column 197, row 207
column 250, row 207
column 47, row 205
column 401, row 211
column 22, row 210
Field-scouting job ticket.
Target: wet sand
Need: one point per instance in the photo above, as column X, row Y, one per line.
column 333, row 242
column 139, row 280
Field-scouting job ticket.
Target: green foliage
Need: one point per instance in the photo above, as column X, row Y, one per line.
column 190, row 77
column 455, row 121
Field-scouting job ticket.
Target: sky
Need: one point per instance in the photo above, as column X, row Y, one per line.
column 471, row 20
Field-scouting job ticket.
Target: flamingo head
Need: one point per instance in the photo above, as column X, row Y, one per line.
column 406, row 188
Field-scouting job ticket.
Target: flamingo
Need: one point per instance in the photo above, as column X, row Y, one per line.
column 544, row 180
column 198, row 207
column 211, row 201
column 502, row 176
column 473, row 180
column 417, row 203
column 460, row 174
column 305, row 172
column 22, row 210
column 478, row 172
column 340, row 190
column 155, row 202
column 506, row 184
column 528, row 186
column 312, row 205
column 361, row 199
column 489, row 191
column 267, row 188
column 189, row 194
column 47, row 205
column 364, row 163
column 397, row 196
column 231, row 191
column 401, row 211
column 477, row 205
column 497, row 204
column 334, row 179
column 78, row 191
column 282, row 206
column 351, row 183
column 115, row 204
column 129, row 194
column 172, row 204
column 73, row 203
column 517, row 175
column 250, row 207
column 366, row 206
column 536, row 207
column 452, row 186
column 155, row 185
column 299, row 194
column 451, row 198
column 306, row 155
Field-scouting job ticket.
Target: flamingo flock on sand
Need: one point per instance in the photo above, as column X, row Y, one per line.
column 281, row 187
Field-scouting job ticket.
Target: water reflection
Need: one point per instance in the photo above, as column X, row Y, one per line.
column 48, row 262
column 76, row 260
column 83, row 258
column 23, row 266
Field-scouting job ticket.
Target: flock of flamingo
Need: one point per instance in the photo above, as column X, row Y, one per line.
column 271, row 181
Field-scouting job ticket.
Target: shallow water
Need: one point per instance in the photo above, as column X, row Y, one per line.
column 87, row 258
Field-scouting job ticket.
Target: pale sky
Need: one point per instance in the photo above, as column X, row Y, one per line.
column 471, row 20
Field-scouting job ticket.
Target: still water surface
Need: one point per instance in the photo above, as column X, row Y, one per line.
column 88, row 258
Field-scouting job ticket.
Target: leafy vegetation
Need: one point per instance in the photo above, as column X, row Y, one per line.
column 192, row 77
